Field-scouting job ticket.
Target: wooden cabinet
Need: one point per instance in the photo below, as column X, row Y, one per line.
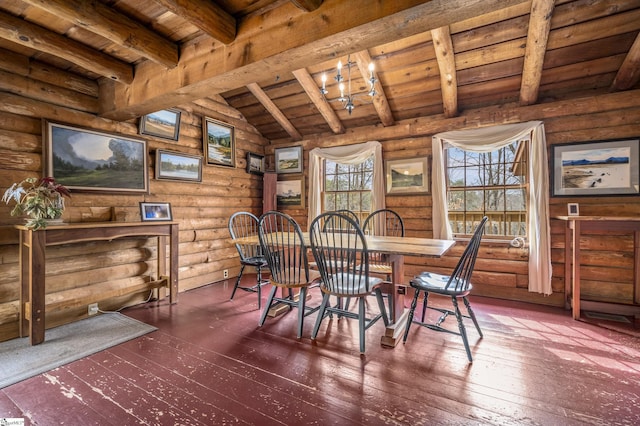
column 269, row 201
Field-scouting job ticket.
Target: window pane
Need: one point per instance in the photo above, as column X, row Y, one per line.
column 474, row 176
column 342, row 201
column 330, row 183
column 329, row 202
column 456, row 176
column 366, row 202
column 515, row 200
column 456, row 201
column 494, row 200
column 474, row 201
column 342, row 183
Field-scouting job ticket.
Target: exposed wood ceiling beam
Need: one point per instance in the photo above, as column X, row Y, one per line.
column 206, row 15
column 26, row 34
column 629, row 73
column 380, row 102
column 303, row 40
column 307, row 5
column 116, row 27
column 274, row 110
column 447, row 65
column 309, row 85
column 538, row 35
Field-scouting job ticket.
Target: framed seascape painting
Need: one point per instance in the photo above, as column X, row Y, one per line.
column 163, row 124
column 178, row 166
column 596, row 168
column 155, row 211
column 407, row 176
column 289, row 160
column 255, row 163
column 219, row 142
column 290, row 193
column 90, row 160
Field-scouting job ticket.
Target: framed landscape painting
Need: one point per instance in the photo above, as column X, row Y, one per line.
column 255, row 163
column 178, row 166
column 219, row 142
column 90, row 160
column 290, row 193
column 407, row 176
column 289, row 160
column 596, row 168
column 163, row 124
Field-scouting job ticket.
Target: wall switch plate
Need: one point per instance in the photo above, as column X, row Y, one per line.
column 92, row 309
column 225, row 273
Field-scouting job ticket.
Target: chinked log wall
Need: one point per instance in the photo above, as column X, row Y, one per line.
column 203, row 209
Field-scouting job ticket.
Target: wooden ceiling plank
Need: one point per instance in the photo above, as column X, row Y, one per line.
column 538, row 35
column 380, row 102
column 43, row 40
column 301, row 41
column 447, row 65
column 629, row 73
column 107, row 22
column 206, row 15
column 307, row 5
column 309, row 85
column 271, row 107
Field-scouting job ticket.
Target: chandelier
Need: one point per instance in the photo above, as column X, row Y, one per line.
column 347, row 98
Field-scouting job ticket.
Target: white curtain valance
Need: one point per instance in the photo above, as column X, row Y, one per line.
column 348, row 154
column 489, row 139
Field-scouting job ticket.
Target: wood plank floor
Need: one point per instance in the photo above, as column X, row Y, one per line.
column 209, row 364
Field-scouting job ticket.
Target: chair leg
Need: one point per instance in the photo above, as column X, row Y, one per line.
column 259, row 288
column 472, row 315
column 361, row 322
column 301, row 303
column 321, row 314
column 463, row 331
column 412, row 310
column 424, row 305
column 272, row 294
column 383, row 309
column 235, row 287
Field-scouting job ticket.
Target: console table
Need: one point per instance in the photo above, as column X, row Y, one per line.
column 32, row 261
column 573, row 230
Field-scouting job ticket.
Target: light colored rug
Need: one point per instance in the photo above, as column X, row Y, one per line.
column 62, row 345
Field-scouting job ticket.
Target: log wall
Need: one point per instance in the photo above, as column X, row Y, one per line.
column 202, row 209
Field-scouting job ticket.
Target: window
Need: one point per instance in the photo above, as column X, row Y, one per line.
column 492, row 184
column 348, row 187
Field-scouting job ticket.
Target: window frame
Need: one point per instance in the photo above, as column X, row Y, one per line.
column 324, row 192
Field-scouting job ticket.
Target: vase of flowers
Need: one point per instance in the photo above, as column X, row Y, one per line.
column 42, row 200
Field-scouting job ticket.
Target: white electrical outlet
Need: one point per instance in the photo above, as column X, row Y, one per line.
column 225, row 273
column 93, row 309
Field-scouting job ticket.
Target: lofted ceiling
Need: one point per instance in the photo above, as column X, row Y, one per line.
column 265, row 58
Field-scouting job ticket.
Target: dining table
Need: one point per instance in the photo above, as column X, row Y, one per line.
column 395, row 249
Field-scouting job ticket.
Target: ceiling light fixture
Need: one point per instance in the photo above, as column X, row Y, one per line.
column 347, row 99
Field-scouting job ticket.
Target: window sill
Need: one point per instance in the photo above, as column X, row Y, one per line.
column 496, row 242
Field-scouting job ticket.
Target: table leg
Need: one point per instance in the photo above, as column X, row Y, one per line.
column 34, row 313
column 398, row 314
column 575, row 293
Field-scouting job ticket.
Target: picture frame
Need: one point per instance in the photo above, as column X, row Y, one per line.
column 596, row 168
column 408, row 176
column 171, row 165
column 255, row 163
column 155, row 212
column 290, row 193
column 90, row 160
column 573, row 209
column 219, row 143
column 289, row 159
column 162, row 124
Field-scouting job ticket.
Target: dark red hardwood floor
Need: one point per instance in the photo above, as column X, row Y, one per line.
column 210, row 364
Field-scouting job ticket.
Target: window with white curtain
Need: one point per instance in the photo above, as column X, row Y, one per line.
column 348, row 186
column 493, row 184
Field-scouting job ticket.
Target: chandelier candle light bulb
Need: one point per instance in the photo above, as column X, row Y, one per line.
column 348, row 99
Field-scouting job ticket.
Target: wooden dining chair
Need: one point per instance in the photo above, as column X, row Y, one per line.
column 342, row 258
column 456, row 286
column 286, row 255
column 245, row 225
column 383, row 222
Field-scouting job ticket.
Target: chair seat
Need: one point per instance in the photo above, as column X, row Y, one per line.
column 379, row 268
column 352, row 285
column 255, row 261
column 436, row 283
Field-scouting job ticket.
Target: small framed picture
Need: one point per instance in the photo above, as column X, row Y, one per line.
column 155, row 211
column 572, row 209
column 408, row 176
column 219, row 142
column 178, row 166
column 290, row 193
column 163, row 124
column 255, row 163
column 289, row 160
